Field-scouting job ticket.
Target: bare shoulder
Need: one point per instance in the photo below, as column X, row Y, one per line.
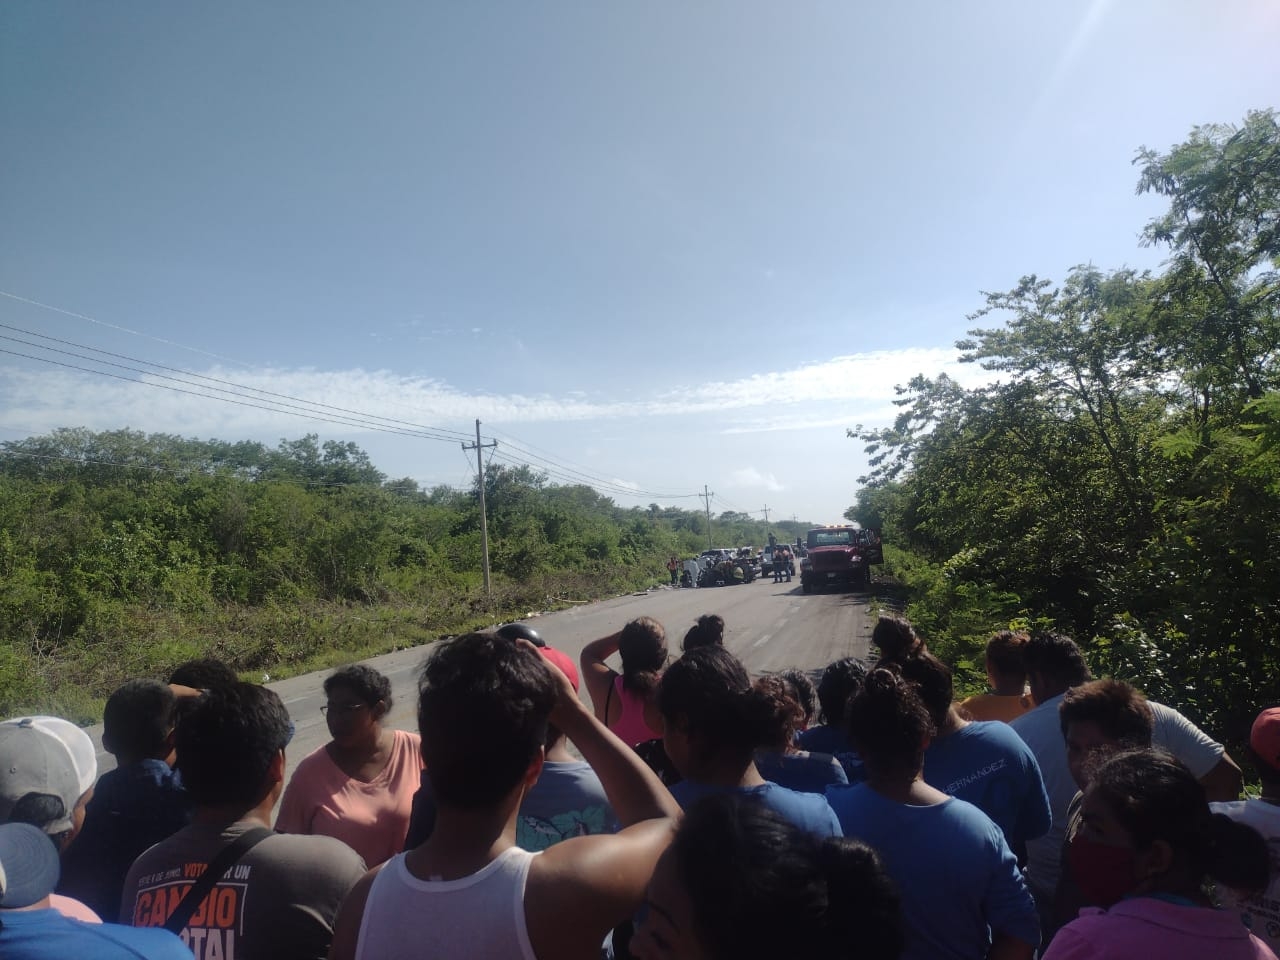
column 346, row 929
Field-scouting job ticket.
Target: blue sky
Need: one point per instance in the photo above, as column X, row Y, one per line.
column 661, row 245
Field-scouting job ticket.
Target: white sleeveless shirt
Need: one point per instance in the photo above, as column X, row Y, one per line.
column 480, row 916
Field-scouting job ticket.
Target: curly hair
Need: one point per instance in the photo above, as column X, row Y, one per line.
column 803, row 691
column 364, row 681
column 786, row 715
column 1120, row 711
column 483, row 709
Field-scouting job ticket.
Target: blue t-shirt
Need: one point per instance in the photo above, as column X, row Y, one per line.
column 953, row 869
column 48, row 935
column 832, row 740
column 807, row 811
column 567, row 801
column 806, row 772
column 990, row 766
column 132, row 808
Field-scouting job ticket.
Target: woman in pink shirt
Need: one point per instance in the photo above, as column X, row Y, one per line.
column 359, row 787
column 624, row 702
column 1146, row 844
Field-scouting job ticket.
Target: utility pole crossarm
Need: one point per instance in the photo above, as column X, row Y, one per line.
column 478, row 447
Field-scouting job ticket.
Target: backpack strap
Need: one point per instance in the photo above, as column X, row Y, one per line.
column 215, row 871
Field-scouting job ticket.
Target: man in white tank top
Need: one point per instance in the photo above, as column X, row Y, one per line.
column 468, row 890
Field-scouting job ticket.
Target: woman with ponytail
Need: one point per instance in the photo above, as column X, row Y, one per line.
column 714, row 721
column 708, row 631
column 963, row 896
column 1145, row 848
column 739, row 882
column 623, row 702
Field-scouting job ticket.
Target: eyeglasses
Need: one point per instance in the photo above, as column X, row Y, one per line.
column 340, row 708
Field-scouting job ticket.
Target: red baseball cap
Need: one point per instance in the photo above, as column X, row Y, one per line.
column 563, row 662
column 1264, row 738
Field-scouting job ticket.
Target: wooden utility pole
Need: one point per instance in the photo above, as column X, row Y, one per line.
column 484, row 519
column 707, row 495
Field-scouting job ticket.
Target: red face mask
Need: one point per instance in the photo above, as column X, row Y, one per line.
column 1104, row 872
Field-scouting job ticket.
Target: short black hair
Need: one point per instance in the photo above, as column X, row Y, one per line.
column 806, row 896
column 1120, row 711
column 1056, row 655
column 204, row 674
column 483, row 705
column 1005, row 652
column 362, row 680
column 227, row 741
column 840, row 681
column 932, row 679
column 138, row 719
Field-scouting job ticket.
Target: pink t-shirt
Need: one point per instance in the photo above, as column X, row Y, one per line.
column 1148, row 927
column 371, row 818
column 73, row 909
column 630, row 726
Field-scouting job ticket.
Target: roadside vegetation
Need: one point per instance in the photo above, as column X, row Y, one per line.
column 1120, row 476
column 123, row 554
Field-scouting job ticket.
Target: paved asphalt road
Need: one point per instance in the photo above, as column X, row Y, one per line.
column 769, row 626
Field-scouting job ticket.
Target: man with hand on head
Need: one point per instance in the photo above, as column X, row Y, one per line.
column 484, row 704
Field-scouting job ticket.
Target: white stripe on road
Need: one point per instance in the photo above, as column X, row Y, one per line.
column 763, row 640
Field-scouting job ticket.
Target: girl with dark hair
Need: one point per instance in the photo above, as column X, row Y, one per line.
column 707, row 632
column 623, row 702
column 779, row 759
column 741, row 883
column 963, row 896
column 714, row 721
column 1146, row 845
column 359, row 786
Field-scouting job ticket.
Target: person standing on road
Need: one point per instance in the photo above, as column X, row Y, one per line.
column 1146, row 847
column 624, row 701
column 282, row 895
column 1260, row 911
column 484, row 705
column 1055, row 665
column 359, row 786
column 740, row 881
column 963, row 895
column 982, row 762
column 673, row 567
column 1007, row 677
column 714, row 721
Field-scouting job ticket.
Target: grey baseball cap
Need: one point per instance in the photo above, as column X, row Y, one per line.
column 37, row 758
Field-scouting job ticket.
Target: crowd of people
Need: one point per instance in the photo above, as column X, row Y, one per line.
column 680, row 809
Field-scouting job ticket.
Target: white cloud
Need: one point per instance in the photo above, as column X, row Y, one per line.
column 841, row 391
column 751, row 477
